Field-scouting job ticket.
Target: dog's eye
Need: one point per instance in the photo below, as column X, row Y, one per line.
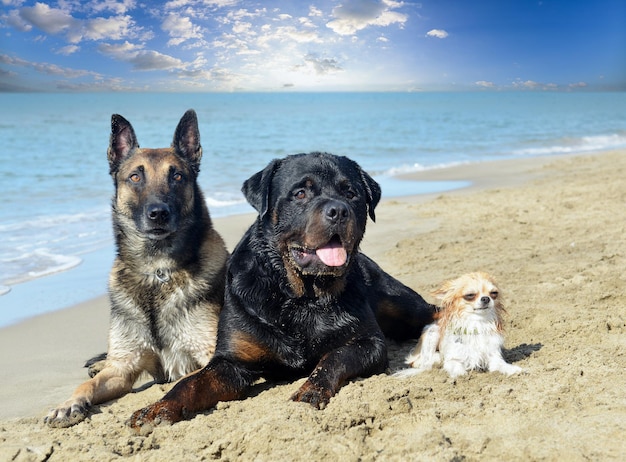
column 469, row 297
column 135, row 178
column 300, row 194
column 494, row 294
column 177, row 177
column 350, row 195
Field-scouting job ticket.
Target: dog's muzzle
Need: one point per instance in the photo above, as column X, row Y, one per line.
column 158, row 223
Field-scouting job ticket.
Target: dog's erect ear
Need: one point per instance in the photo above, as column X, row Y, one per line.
column 187, row 139
column 121, row 142
column 372, row 188
column 445, row 293
column 257, row 188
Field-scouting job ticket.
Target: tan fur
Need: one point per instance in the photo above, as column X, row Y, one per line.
column 167, row 282
column 451, row 291
column 468, row 330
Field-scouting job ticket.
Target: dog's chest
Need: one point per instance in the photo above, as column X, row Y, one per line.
column 474, row 340
column 171, row 319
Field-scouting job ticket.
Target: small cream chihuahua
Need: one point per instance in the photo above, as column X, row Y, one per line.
column 467, row 333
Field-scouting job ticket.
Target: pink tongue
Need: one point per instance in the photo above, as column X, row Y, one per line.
column 332, row 254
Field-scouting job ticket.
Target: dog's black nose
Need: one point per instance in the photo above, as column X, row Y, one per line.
column 485, row 300
column 158, row 212
column 335, row 211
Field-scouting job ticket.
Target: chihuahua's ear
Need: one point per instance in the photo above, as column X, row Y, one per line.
column 445, row 293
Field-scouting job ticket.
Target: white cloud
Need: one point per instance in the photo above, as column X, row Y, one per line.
column 46, row 68
column 355, row 15
column 142, row 60
column 485, row 84
column 15, row 20
column 315, row 12
column 68, row 50
column 306, row 22
column 528, row 84
column 120, row 51
column 321, row 66
column 50, row 20
column 180, row 29
column 577, row 85
column 58, row 21
column 243, row 28
column 118, row 7
column 114, row 28
column 437, row 33
column 176, row 4
column 532, row 85
column 290, row 33
column 153, row 60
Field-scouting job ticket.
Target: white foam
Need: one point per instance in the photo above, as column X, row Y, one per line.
column 404, row 169
column 574, row 145
column 59, row 263
column 39, row 263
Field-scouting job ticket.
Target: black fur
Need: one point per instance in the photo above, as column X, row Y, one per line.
column 287, row 313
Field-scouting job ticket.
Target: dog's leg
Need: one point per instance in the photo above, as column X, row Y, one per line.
column 454, row 367
column 110, row 383
column 360, row 358
column 424, row 356
column 498, row 364
column 220, row 380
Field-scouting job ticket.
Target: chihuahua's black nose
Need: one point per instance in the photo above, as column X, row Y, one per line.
column 485, row 300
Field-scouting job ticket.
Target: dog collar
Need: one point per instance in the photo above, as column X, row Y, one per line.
column 163, row 275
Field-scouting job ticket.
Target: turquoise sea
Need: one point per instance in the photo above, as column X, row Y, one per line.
column 55, row 235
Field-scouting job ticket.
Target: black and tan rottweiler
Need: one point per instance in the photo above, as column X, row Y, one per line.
column 167, row 283
column 300, row 298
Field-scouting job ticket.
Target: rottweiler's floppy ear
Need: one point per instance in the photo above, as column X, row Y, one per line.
column 257, row 188
column 372, row 188
column 187, row 139
column 121, row 142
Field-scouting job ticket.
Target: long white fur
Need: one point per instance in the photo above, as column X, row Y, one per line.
column 468, row 333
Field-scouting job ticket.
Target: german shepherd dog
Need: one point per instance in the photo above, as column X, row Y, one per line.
column 166, row 287
column 300, row 297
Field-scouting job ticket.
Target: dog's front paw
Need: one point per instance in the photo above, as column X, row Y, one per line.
column 67, row 414
column 510, row 369
column 454, row 369
column 317, row 396
column 96, row 364
column 410, row 372
column 160, row 413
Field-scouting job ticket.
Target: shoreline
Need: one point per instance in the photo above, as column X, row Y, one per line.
column 93, row 313
column 454, row 178
column 536, row 224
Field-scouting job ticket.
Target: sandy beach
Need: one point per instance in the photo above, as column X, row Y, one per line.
column 551, row 230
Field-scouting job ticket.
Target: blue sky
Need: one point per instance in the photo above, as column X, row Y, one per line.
column 316, row 45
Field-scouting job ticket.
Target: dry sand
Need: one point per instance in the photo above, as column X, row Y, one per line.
column 551, row 231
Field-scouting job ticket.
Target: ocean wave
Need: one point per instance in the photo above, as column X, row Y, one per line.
column 214, row 202
column 405, row 169
column 51, row 221
column 36, row 264
column 574, row 145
